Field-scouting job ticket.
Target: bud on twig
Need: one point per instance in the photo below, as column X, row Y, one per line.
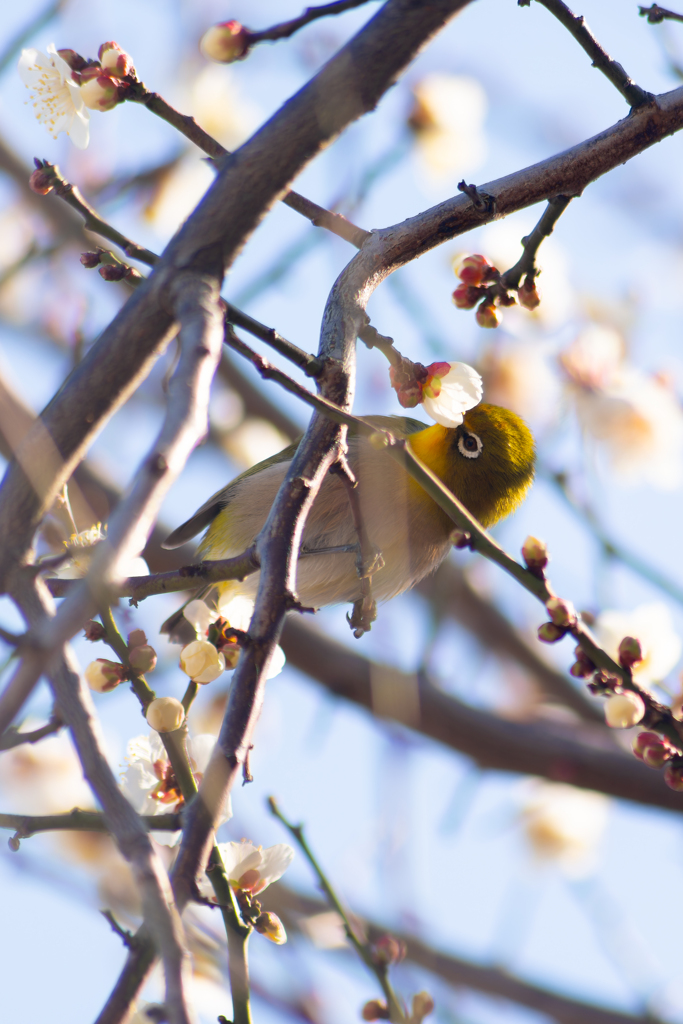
column 388, row 950
column 624, row 710
column 114, row 59
column 271, row 926
column 527, row 294
column 103, row 676
column 94, row 631
column 535, row 554
column 630, row 652
column 488, row 315
column 652, row 749
column 561, row 612
column 143, row 658
column 673, row 776
column 375, row 1010
column 226, row 42
column 90, row 260
column 461, row 539
column 41, row 181
column 549, row 633
column 423, row 1005
column 165, row 714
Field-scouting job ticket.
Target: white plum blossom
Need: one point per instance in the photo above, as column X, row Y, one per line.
column 634, row 416
column 81, row 547
column 56, row 97
column 451, row 389
column 652, row 625
column 564, row 824
column 149, row 784
column 448, row 122
column 251, row 867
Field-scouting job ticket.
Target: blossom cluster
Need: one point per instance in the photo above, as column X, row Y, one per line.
column 481, row 285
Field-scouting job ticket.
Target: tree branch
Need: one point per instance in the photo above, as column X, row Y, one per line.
column 285, row 29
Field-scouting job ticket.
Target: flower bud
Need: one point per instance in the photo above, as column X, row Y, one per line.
column 673, row 776
column 461, row 539
column 474, row 270
column 374, row 1009
column 561, row 612
column 225, row 42
column 143, row 658
column 488, row 315
column 201, row 661
column 73, row 59
column 114, row 59
column 549, row 633
column 41, row 181
column 535, row 553
column 388, row 950
column 98, row 90
column 165, row 714
column 583, row 666
column 271, row 926
column 90, row 260
column 136, row 638
column 630, row 652
column 94, row 631
column 652, row 749
column 466, row 296
column 423, row 1004
column 112, row 272
column 103, row 676
column 624, row 710
column 527, row 294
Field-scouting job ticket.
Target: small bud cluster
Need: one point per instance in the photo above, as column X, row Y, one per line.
column 102, row 675
column 483, row 285
column 226, row 42
column 110, row 268
column 408, row 380
column 563, row 618
column 103, row 82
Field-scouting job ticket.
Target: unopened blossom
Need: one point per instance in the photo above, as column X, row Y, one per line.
column 201, row 661
column 102, row 675
column 165, row 714
column 271, row 926
column 448, row 122
column 624, row 710
column 237, row 612
column 564, row 824
column 226, row 42
column 449, row 391
column 149, row 783
column 633, row 416
column 114, row 59
column 652, row 625
column 99, row 91
column 535, row 553
column 55, row 95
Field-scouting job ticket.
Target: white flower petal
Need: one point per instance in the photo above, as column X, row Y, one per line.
column 239, row 857
column 277, row 663
column 274, row 862
column 461, row 389
column 56, row 97
column 237, row 611
column 200, row 615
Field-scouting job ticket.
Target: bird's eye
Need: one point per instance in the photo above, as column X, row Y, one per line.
column 470, row 445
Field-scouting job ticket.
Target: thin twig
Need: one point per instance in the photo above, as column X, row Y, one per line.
column 27, row 825
column 13, row 738
column 526, row 264
column 655, row 14
column 363, row 949
column 576, row 24
column 287, row 28
column 311, row 366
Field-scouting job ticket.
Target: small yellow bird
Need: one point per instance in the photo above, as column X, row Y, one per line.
column 487, row 462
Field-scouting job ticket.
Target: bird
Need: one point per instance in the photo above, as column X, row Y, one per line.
column 487, row 462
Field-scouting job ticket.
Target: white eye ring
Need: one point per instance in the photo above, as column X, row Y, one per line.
column 465, row 451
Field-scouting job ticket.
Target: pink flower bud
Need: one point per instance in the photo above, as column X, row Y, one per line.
column 474, row 270
column 272, row 927
column 90, row 260
column 143, row 658
column 137, row 637
column 487, row 315
column 466, row 296
column 103, row 676
column 527, row 294
column 561, row 612
column 652, row 749
column 112, row 272
column 388, row 950
column 165, row 714
column 461, row 539
column 41, row 181
column 624, row 710
column 375, row 1010
column 673, row 776
column 583, row 667
column 73, row 59
column 630, row 652
column 98, row 90
column 226, row 42
column 114, row 59
column 535, row 553
column 94, row 631
column 549, row 633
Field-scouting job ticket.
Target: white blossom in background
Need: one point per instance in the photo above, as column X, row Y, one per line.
column 653, row 626
column 252, row 441
column 45, row 777
column 56, row 97
column 517, row 375
column 448, row 122
column 221, row 108
column 635, row 417
column 149, row 784
column 450, row 391
column 564, row 824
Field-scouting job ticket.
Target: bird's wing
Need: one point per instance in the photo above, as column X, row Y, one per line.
column 210, row 509
column 207, row 513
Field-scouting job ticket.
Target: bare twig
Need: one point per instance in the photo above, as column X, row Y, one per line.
column 576, row 24
column 13, row 738
column 287, row 28
column 26, row 825
column 526, row 264
column 311, row 366
column 655, row 14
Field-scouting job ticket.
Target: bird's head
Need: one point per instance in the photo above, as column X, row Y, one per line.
column 488, row 461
